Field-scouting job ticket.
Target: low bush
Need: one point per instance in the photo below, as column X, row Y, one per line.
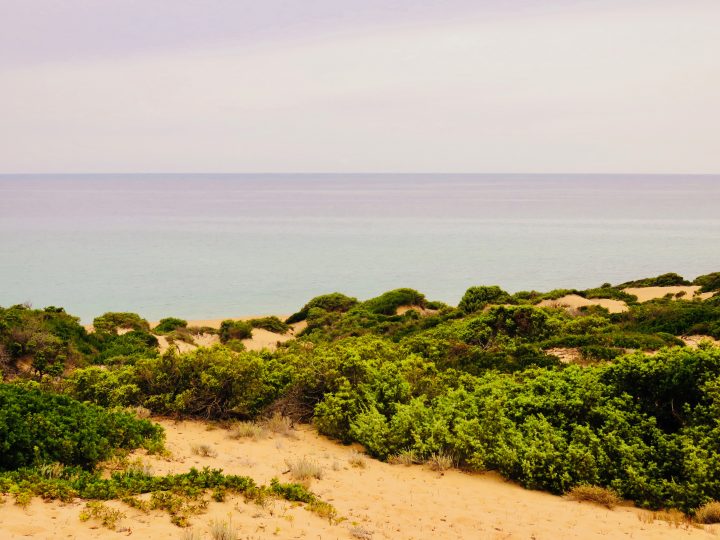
column 111, row 322
column 387, row 303
column 234, row 330
column 476, row 298
column 708, row 282
column 664, row 280
column 271, row 324
column 38, row 427
column 334, row 302
column 169, row 324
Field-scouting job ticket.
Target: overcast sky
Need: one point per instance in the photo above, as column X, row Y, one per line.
column 360, row 85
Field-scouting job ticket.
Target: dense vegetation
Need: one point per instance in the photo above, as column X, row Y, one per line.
column 482, row 384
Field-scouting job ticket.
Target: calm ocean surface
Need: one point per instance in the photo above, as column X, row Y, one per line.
column 208, row 246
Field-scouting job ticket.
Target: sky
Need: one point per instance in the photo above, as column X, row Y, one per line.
column 594, row 86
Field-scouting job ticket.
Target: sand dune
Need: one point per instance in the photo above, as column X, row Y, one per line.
column 379, row 501
column 574, row 301
column 649, row 293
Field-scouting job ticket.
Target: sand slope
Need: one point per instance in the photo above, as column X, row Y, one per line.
column 381, row 501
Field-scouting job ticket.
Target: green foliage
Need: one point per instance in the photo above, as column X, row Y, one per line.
column 708, row 282
column 239, row 330
column 167, row 325
column 672, row 317
column 111, row 322
column 38, row 427
column 476, row 298
column 50, row 339
column 334, row 302
column 387, row 303
column 271, row 324
column 663, row 280
column 209, row 383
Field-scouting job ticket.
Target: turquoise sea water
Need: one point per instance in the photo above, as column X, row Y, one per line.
column 208, row 246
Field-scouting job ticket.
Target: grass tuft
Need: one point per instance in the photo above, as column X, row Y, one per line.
column 357, row 460
column 204, row 450
column 708, row 513
column 594, row 494
column 440, row 461
column 223, row 530
column 248, row 430
column 304, row 469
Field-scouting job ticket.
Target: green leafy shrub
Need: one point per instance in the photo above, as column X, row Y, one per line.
column 38, row 427
column 167, row 325
column 387, row 303
column 239, row 330
column 271, row 324
column 476, row 298
column 708, row 282
column 111, row 322
column 664, row 280
column 334, row 302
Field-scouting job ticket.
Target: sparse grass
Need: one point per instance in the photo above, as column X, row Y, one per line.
column 360, row 532
column 223, row 530
column 204, row 450
column 440, row 461
column 406, row 457
column 708, row 513
column 673, row 517
column 594, row 494
column 191, row 534
column 106, row 516
column 248, row 430
column 304, row 469
column 357, row 460
column 279, row 424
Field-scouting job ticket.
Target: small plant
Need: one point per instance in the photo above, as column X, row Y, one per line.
column 304, row 469
column 223, row 530
column 248, row 430
column 440, row 461
column 108, row 517
column 594, row 494
column 708, row 513
column 357, row 460
column 204, row 450
column 406, row 457
column 23, row 497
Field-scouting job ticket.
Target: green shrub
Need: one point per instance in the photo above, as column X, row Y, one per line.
column 235, row 330
column 708, row 282
column 664, row 280
column 169, row 324
column 111, row 322
column 38, row 427
column 334, row 302
column 271, row 324
column 387, row 303
column 476, row 298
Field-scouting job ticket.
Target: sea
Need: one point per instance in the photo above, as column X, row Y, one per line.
column 202, row 246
